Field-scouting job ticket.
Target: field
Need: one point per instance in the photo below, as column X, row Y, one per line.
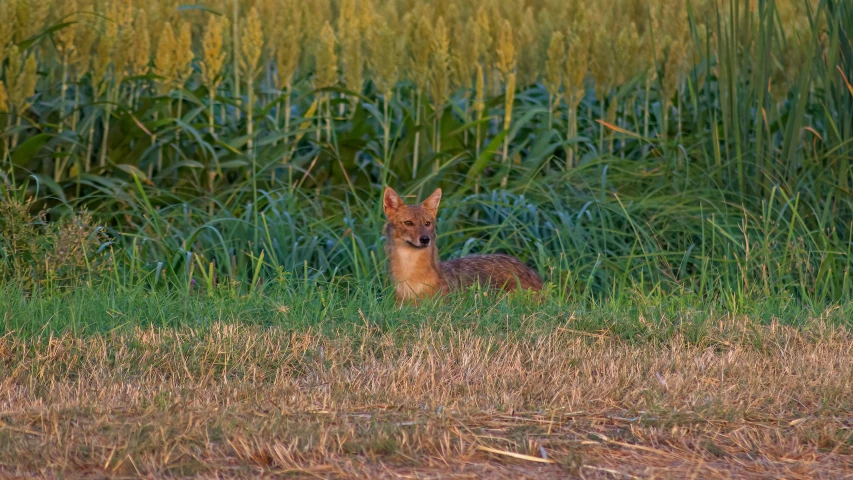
column 192, row 274
column 161, row 386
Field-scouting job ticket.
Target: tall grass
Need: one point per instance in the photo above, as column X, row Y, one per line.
column 624, row 147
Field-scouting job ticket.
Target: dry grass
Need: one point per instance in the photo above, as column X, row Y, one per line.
column 746, row 401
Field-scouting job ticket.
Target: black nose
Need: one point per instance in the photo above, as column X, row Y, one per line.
column 424, row 240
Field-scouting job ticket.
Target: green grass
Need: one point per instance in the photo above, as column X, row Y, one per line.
column 323, row 307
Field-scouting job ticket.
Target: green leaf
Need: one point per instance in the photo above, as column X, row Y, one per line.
column 184, row 8
column 131, row 170
column 483, row 160
column 469, row 125
column 51, row 185
column 525, row 119
column 28, row 150
column 233, row 164
column 47, row 31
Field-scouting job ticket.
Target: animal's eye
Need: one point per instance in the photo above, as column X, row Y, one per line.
column 428, row 223
column 408, row 223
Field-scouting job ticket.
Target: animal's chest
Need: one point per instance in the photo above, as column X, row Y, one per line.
column 414, row 274
column 409, row 289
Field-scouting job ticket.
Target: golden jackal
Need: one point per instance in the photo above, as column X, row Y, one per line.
column 413, row 256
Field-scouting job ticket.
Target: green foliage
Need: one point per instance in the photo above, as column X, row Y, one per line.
column 732, row 192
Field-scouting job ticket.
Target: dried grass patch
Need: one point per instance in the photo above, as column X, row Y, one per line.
column 747, row 401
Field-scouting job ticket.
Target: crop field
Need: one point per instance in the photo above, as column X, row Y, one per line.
column 192, row 273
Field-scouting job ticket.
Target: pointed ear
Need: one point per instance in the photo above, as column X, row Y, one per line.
column 392, row 202
column 431, row 203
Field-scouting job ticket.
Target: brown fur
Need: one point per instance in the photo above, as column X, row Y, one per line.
column 414, row 265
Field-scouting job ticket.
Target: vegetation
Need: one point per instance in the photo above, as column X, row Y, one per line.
column 142, row 384
column 192, row 279
column 623, row 147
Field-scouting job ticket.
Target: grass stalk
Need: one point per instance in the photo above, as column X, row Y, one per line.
column 235, row 38
column 179, row 114
column 211, row 112
column 250, row 115
column 509, row 102
column 287, row 108
column 386, row 128
column 646, row 106
column 550, row 111
column 417, row 135
column 329, row 117
column 102, row 154
column 58, row 165
column 571, row 131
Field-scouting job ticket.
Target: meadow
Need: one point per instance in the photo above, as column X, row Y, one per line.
column 192, row 274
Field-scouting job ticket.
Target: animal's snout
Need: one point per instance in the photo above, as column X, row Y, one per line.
column 424, row 240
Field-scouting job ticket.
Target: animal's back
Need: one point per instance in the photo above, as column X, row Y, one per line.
column 499, row 271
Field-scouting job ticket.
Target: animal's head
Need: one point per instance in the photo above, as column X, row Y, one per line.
column 411, row 226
